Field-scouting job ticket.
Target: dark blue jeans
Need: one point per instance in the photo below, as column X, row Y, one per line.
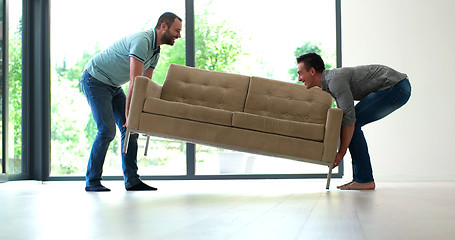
column 108, row 109
column 373, row 107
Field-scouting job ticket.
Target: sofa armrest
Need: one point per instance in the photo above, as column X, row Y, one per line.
column 332, row 134
column 143, row 88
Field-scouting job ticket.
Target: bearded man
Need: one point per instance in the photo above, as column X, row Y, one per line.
column 131, row 56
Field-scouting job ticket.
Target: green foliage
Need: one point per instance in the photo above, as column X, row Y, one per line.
column 74, row 72
column 67, row 99
column 309, row 47
column 15, row 96
column 216, row 48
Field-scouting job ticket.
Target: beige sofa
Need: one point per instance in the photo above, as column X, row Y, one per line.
column 248, row 114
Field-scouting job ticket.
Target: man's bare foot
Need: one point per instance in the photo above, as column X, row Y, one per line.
column 344, row 185
column 358, row 186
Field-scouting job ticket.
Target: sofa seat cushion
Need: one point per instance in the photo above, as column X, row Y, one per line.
column 310, row 131
column 188, row 111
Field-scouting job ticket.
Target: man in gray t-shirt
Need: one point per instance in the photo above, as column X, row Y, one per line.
column 379, row 89
column 129, row 57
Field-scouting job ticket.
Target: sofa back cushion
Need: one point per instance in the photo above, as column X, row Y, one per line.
column 205, row 88
column 289, row 101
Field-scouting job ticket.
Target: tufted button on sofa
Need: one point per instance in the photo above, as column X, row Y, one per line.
column 232, row 111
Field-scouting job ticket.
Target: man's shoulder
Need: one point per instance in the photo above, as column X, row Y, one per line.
column 337, row 73
column 142, row 35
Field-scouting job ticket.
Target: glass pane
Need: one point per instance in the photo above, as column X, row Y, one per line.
column 14, row 161
column 262, row 43
column 214, row 161
column 74, row 40
column 163, row 157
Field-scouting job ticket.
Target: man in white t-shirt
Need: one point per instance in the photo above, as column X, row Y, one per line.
column 129, row 57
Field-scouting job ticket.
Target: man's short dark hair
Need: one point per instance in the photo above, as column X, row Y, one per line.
column 312, row 60
column 167, row 18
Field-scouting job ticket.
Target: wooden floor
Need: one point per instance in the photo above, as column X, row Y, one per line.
column 222, row 209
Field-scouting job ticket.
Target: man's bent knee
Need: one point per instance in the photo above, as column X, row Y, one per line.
column 107, row 136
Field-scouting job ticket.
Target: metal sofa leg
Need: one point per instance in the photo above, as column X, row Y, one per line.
column 146, row 145
column 329, row 176
column 126, row 141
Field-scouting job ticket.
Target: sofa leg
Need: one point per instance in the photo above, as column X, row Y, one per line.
column 146, row 145
column 329, row 176
column 126, row 141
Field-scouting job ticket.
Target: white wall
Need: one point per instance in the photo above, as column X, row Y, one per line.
column 416, row 37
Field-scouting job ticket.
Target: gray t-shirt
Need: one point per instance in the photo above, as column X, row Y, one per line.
column 112, row 66
column 354, row 83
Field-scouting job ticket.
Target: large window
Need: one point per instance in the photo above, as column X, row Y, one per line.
column 230, row 36
column 260, row 41
column 79, row 30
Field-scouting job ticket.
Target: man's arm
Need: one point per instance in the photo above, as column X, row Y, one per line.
column 148, row 73
column 341, row 91
column 135, row 70
column 346, row 136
